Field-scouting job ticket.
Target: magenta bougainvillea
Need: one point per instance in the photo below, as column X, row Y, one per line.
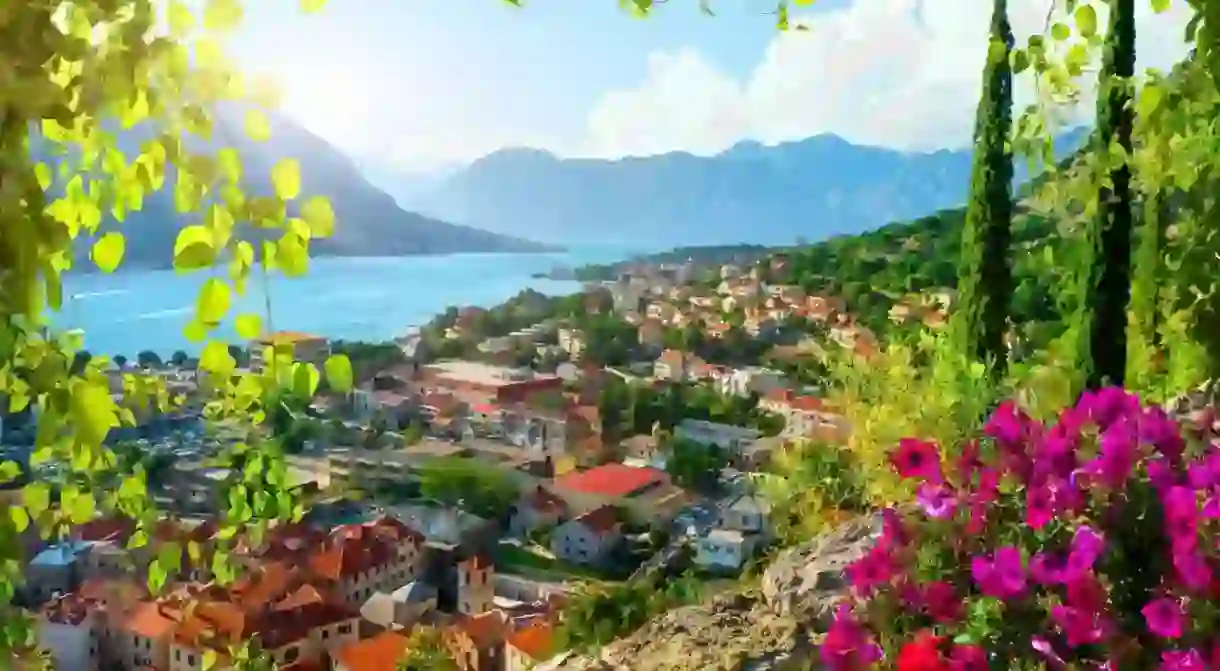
column 1089, row 543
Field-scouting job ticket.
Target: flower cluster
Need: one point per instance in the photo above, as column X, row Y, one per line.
column 1091, row 542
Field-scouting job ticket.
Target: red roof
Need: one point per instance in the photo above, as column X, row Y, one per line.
column 611, row 480
column 600, row 521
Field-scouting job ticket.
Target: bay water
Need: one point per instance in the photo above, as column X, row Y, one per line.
column 370, row 299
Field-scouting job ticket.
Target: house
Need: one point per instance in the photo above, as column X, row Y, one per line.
column 729, row 271
column 476, row 590
column 746, row 381
column 56, row 570
column 588, row 538
column 823, row 308
column 360, row 559
column 722, row 550
column 303, row 347
column 742, row 528
column 804, row 416
column 651, row 333
column 646, row 495
column 399, row 609
column 476, row 643
column 538, row 509
column 571, row 341
column 382, row 652
column 66, row 630
column 731, row 438
column 674, row 365
column 528, row 646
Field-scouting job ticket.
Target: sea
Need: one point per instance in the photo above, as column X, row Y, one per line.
column 369, row 299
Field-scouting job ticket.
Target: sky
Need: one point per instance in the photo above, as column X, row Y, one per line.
column 422, row 86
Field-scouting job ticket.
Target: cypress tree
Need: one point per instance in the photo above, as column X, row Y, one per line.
column 1105, row 288
column 984, row 282
column 1147, row 276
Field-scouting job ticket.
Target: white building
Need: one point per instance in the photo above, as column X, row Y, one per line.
column 744, row 381
column 66, row 630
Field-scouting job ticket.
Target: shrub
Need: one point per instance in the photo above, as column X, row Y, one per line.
column 1087, row 543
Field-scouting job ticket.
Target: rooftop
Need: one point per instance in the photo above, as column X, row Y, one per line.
column 288, row 337
column 379, row 653
column 60, row 554
column 612, row 480
column 475, row 372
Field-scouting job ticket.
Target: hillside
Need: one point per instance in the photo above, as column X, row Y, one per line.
column 368, row 220
column 814, row 188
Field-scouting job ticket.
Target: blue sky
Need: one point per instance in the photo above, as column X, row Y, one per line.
column 424, row 84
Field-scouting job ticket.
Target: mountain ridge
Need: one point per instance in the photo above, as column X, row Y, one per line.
column 369, row 221
column 750, row 193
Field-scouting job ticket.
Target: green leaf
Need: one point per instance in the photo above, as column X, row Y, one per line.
column 1160, row 6
column 291, row 255
column 229, row 163
column 215, row 358
column 37, row 498
column 181, row 21
column 249, row 326
column 305, row 380
column 311, row 6
column 317, row 212
column 93, row 412
column 157, row 576
column 213, row 302
column 1149, row 100
column 222, row 15
column 81, row 506
column 20, row 518
column 108, row 251
column 338, row 372
column 1086, row 21
column 194, row 249
column 1060, row 32
column 257, row 126
column 286, row 177
column 43, row 173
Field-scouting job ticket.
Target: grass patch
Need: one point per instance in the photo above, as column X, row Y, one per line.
column 516, row 559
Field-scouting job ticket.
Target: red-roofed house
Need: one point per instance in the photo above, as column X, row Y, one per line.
column 804, row 416
column 588, row 538
column 361, row 559
column 646, row 494
column 382, row 652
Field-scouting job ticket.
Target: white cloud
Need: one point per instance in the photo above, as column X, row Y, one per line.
column 896, row 73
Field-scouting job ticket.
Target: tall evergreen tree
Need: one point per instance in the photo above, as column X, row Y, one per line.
column 1105, row 285
column 1146, row 281
column 984, row 274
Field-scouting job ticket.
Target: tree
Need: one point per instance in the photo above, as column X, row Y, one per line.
column 119, row 360
column 694, row 465
column 426, row 651
column 1104, row 288
column 179, row 358
column 985, row 276
column 148, row 359
column 414, row 433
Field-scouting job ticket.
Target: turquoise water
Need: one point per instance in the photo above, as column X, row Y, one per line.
column 349, row 298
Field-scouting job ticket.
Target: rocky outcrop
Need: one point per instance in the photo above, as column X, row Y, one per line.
column 771, row 628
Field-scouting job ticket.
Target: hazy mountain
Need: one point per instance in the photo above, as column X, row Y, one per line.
column 751, row 193
column 368, row 220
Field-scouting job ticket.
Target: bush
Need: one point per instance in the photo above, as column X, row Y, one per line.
column 1086, row 543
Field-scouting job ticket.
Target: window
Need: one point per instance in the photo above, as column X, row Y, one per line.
column 190, row 660
column 177, row 655
column 325, row 634
column 291, row 654
column 345, row 629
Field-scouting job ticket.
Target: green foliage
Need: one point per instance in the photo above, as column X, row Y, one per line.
column 693, row 465
column 479, row 488
column 1105, row 271
column 985, row 277
column 426, row 651
column 596, row 615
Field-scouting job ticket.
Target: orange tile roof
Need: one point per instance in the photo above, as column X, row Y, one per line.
column 380, row 653
column 148, row 621
column 536, row 640
column 484, row 630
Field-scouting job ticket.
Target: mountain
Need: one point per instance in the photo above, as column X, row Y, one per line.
column 368, row 220
column 751, row 193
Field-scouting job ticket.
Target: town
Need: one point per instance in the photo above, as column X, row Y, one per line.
column 567, row 442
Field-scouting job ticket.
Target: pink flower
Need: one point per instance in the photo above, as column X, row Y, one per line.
column 1002, row 575
column 1079, row 626
column 968, row 658
column 1165, row 617
column 1104, row 406
column 936, row 500
column 847, row 646
column 871, row 571
column 1087, row 548
column 917, row 460
column 1182, row 660
column 1192, row 569
column 941, row 601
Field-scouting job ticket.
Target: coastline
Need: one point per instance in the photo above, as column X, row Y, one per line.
column 371, row 299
